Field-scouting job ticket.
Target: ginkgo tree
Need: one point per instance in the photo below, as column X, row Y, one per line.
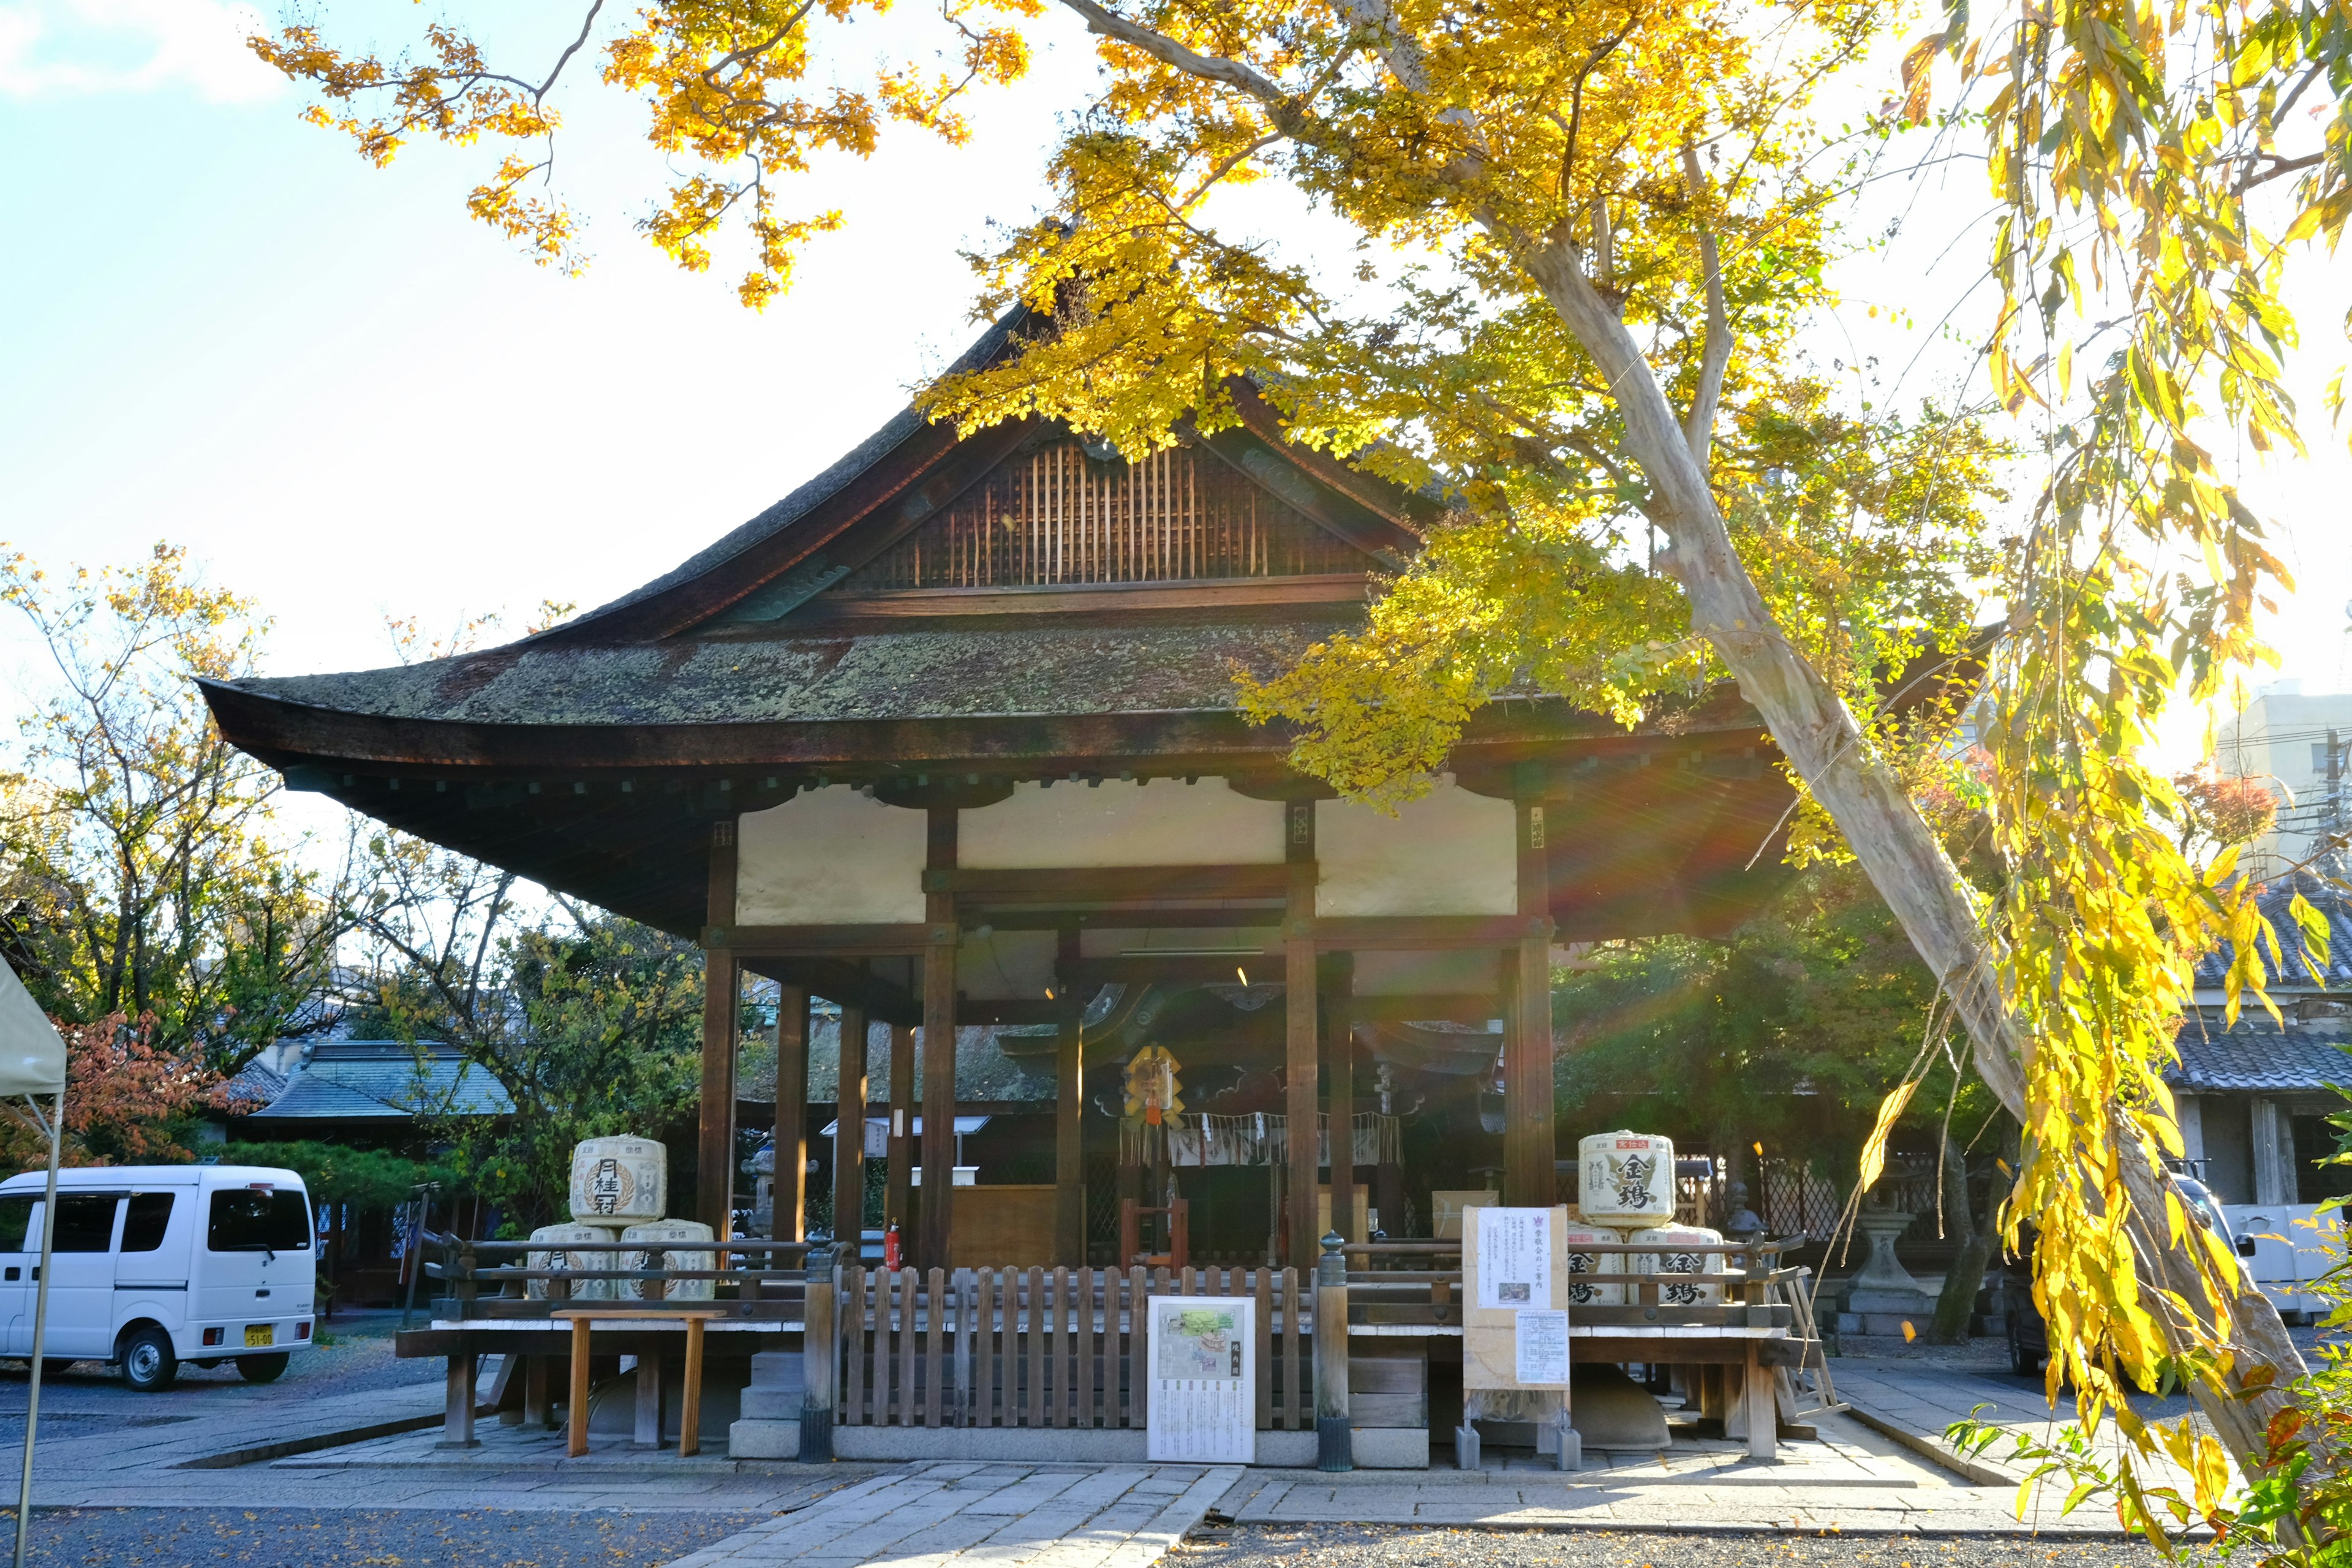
column 1587, row 240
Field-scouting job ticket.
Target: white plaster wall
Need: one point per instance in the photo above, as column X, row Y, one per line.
column 829, row 856
column 1006, row 964
column 1452, row 972
column 1120, row 823
column 1448, row 853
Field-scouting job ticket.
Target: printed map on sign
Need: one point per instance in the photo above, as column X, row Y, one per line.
column 1513, row 1258
column 1198, row 1342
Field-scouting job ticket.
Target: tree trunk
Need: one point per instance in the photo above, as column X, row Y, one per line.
column 1881, row 825
column 1966, row 1275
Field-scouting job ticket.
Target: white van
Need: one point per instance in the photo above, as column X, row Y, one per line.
column 154, row 1265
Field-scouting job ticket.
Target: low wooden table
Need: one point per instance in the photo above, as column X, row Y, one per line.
column 689, row 1415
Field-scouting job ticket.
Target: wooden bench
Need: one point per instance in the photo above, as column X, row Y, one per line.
column 689, row 1419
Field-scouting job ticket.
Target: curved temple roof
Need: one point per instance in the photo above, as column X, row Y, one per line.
column 1067, row 640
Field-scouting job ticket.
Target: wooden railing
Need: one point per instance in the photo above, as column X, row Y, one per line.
column 1751, row 1289
column 766, row 1279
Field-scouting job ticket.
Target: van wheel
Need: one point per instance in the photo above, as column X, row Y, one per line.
column 263, row 1368
column 148, row 1364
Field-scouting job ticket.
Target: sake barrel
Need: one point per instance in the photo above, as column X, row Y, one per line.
column 1678, row 1283
column 660, row 1240
column 1625, row 1179
column 1579, row 1292
column 556, row 1256
column 619, row 1181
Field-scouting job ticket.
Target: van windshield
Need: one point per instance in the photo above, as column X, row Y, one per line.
column 247, row 1219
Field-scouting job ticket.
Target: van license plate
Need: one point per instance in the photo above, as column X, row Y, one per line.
column 260, row 1335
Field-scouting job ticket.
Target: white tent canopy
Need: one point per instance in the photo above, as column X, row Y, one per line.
column 32, row 1056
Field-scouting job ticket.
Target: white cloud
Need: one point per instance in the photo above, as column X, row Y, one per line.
column 83, row 46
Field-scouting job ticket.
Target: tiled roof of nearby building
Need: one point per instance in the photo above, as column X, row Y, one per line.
column 2256, row 1055
column 2294, row 968
column 254, row 1085
column 382, row 1080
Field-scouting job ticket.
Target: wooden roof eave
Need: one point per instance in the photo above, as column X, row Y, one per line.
column 285, row 732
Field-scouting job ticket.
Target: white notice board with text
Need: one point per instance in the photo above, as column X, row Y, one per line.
column 1203, row 1355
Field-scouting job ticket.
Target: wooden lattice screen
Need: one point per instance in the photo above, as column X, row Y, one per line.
column 1055, row 516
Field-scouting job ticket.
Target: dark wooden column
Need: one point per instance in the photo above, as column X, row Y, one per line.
column 849, row 1134
column 792, row 1114
column 1527, row 1093
column 1069, row 1109
column 1339, row 1070
column 1300, row 1034
column 901, row 1175
column 940, row 1049
column 714, row 1165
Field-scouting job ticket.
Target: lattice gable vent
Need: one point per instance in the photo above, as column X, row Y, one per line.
column 1053, row 515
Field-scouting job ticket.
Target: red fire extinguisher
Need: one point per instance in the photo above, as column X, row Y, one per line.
column 891, row 1246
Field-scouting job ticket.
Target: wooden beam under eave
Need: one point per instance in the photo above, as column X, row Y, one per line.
column 722, row 1009
column 840, row 980
column 1124, row 885
column 814, row 941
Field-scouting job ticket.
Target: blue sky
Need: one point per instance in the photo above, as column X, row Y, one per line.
column 218, row 327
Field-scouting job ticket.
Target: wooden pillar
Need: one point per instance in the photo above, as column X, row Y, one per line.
column 1069, row 1109
column 1528, row 1095
column 939, row 1047
column 1300, row 1034
column 1339, row 1065
column 792, row 1114
column 722, row 1009
column 849, row 1135
column 900, row 1180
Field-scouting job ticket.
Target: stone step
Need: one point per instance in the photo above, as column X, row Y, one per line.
column 778, row 1369
column 756, row 1439
column 771, row 1404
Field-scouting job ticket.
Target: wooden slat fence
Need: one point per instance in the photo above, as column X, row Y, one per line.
column 1040, row 1347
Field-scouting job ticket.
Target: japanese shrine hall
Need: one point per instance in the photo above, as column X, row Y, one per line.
column 949, row 736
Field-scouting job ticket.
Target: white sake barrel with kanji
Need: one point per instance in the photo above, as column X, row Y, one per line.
column 560, row 1238
column 1625, row 1179
column 661, row 1240
column 1582, row 1294
column 619, row 1181
column 1679, row 1271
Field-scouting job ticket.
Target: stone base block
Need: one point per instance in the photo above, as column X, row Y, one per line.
column 1376, row 1448
column 1610, row 1411
column 750, row 1439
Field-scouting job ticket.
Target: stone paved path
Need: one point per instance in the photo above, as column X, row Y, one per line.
column 988, row 1516
column 1914, row 1405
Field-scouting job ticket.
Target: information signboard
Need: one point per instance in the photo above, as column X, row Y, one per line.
column 1515, row 1306
column 1204, row 1359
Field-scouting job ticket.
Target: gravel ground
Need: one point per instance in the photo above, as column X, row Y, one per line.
column 363, row 1538
column 1351, row 1546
